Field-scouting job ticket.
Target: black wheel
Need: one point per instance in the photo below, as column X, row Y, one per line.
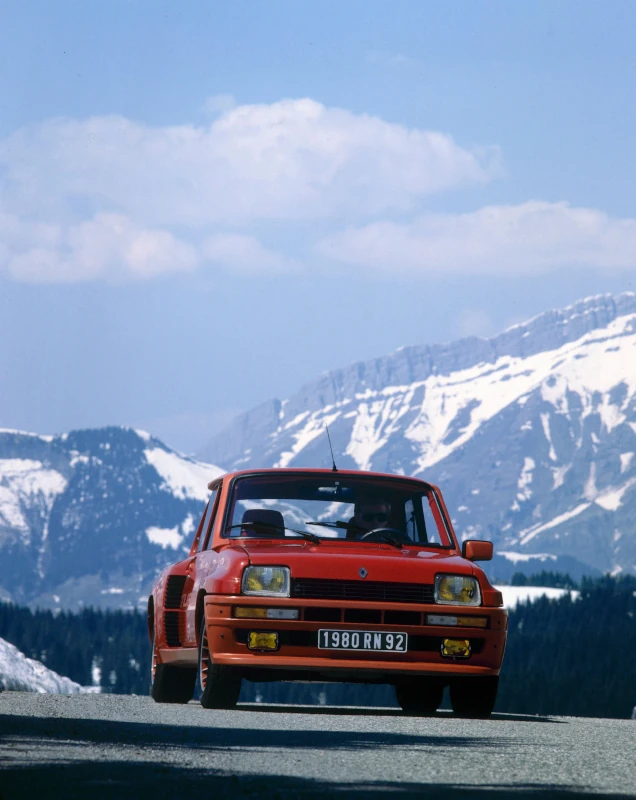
column 170, row 684
column 419, row 697
column 474, row 697
column 220, row 685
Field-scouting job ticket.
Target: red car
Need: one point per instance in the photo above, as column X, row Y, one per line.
column 324, row 575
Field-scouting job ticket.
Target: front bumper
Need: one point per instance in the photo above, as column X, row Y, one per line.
column 299, row 653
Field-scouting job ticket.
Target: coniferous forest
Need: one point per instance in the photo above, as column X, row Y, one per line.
column 573, row 657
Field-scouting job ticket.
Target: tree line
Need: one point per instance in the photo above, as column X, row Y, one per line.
column 566, row 656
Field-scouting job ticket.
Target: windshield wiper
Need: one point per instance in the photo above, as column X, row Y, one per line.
column 351, row 526
column 385, row 537
column 271, row 526
column 341, row 524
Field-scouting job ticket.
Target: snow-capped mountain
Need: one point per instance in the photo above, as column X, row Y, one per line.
column 531, row 434
column 91, row 517
column 21, row 674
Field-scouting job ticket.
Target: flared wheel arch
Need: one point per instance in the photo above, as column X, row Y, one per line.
column 198, row 614
column 151, row 617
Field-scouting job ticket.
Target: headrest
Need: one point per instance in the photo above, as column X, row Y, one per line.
column 352, row 533
column 268, row 516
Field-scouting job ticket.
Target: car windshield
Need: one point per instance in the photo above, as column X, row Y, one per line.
column 399, row 512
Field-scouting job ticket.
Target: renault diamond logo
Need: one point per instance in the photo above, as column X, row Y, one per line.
column 362, row 572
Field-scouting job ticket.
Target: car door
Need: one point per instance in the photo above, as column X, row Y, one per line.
column 195, row 574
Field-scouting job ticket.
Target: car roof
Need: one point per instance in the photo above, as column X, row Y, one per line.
column 350, row 473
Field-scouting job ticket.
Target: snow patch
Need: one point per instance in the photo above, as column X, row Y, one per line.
column 433, row 407
column 513, row 595
column 293, row 423
column 184, row 477
column 590, row 491
column 525, row 479
column 545, row 423
column 96, row 672
column 16, row 432
column 558, row 475
column 522, row 557
column 25, row 482
column 21, row 674
column 313, row 429
column 493, row 387
column 626, row 460
column 610, row 414
column 612, row 499
column 528, row 534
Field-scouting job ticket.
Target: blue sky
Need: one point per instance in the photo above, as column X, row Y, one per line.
column 205, row 205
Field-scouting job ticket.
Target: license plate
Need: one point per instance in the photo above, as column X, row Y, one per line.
column 362, row 640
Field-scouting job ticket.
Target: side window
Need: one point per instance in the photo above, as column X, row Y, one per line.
column 421, row 525
column 411, row 522
column 209, row 516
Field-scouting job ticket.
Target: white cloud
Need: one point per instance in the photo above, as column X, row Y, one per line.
column 526, row 239
column 294, row 159
column 125, row 200
column 107, row 246
column 244, row 254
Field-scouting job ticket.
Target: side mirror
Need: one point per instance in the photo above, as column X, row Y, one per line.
column 476, row 550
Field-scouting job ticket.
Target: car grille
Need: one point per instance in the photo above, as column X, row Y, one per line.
column 174, row 590
column 171, row 625
column 325, row 589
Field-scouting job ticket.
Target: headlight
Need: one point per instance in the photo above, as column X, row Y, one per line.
column 266, row 581
column 459, row 590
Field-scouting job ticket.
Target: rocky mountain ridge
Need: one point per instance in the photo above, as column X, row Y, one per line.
column 531, row 434
column 91, row 517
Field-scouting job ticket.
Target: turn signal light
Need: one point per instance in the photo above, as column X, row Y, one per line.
column 246, row 612
column 459, row 622
column 472, row 622
column 257, row 640
column 456, row 648
column 251, row 612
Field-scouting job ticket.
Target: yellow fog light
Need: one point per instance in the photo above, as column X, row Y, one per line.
column 262, row 641
column 456, row 648
column 247, row 612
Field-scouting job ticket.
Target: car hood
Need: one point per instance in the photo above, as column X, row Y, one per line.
column 345, row 561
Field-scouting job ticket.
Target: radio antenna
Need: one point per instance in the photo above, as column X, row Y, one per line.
column 334, row 468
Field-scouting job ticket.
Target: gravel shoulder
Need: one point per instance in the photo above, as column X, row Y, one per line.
column 103, row 746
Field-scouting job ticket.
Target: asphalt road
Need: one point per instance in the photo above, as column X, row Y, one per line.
column 108, row 746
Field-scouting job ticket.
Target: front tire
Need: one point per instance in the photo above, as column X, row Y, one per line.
column 419, row 696
column 220, row 685
column 170, row 684
column 474, row 697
